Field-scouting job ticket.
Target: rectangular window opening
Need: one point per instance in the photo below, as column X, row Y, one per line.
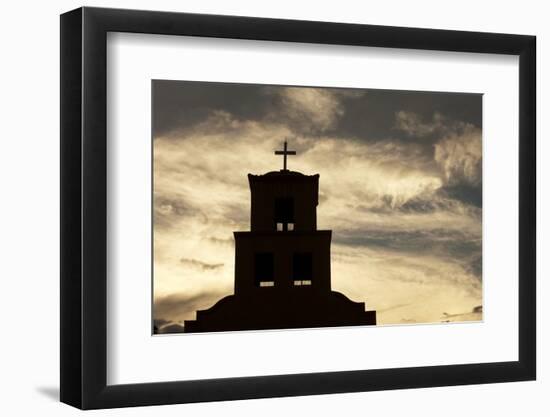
column 284, row 213
column 264, row 269
column 302, row 269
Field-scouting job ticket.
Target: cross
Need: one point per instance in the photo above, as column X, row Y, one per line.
column 285, row 152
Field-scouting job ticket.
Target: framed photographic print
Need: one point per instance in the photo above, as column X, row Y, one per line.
column 258, row 207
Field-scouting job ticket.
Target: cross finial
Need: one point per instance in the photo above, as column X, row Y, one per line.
column 285, row 152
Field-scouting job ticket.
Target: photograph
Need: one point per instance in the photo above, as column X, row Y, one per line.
column 244, row 208
column 295, row 207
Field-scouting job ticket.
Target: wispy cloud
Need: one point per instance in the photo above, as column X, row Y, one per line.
column 412, row 124
column 406, row 229
column 205, row 266
column 315, row 109
column 459, row 156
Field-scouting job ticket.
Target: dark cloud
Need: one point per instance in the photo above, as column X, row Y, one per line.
column 399, row 240
column 475, row 264
column 464, row 198
column 180, row 104
column 445, row 243
column 439, row 126
column 373, row 116
column 465, row 193
column 436, row 119
column 400, row 188
column 367, row 114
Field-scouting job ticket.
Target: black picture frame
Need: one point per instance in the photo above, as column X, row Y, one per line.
column 84, row 207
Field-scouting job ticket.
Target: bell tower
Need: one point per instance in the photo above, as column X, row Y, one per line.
column 283, row 200
column 283, row 248
column 282, row 265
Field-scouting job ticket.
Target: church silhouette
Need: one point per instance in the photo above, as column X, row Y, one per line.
column 282, row 265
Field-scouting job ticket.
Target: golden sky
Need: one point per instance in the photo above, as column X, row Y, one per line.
column 400, row 187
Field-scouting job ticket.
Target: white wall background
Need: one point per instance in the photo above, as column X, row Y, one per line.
column 29, row 233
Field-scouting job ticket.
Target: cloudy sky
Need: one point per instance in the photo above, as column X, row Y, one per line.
column 400, row 187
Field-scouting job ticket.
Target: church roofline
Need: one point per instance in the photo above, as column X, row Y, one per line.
column 271, row 233
column 282, row 174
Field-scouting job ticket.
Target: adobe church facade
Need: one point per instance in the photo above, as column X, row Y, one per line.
column 282, row 265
